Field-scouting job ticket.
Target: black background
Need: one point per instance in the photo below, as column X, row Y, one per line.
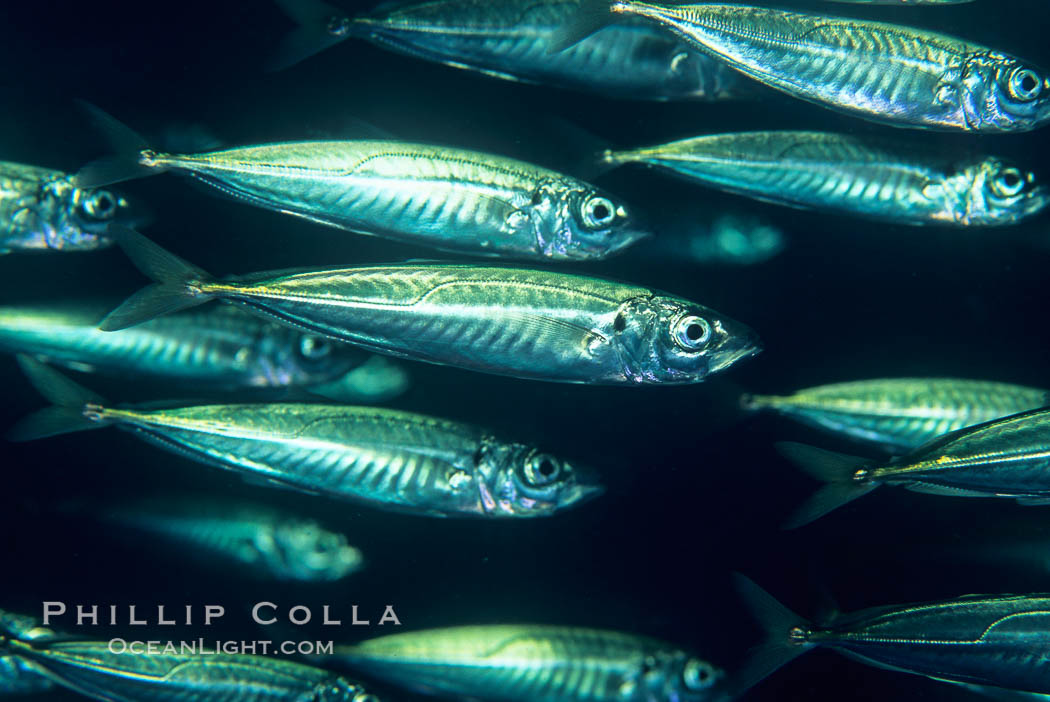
column 696, row 490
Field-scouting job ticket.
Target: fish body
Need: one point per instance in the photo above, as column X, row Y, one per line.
column 43, row 210
column 513, row 40
column 998, row 641
column 888, row 73
column 520, row 663
column 268, row 542
column 734, row 239
column 901, row 414
column 903, row 3
column 876, row 178
column 524, row 323
column 94, row 669
column 19, row 676
column 388, row 459
column 221, row 347
column 450, row 199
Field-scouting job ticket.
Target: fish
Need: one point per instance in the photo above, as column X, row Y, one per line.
column 525, row 323
column 728, row 238
column 887, row 73
column 989, row 640
column 221, row 348
column 268, row 542
column 903, row 3
column 42, row 209
column 1002, row 458
column 511, row 40
column 102, row 671
column 387, row 459
column 901, row 414
column 446, row 198
column 529, row 663
column 877, row 178
column 376, row 380
column 18, row 676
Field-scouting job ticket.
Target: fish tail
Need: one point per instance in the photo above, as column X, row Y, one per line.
column 131, row 158
column 74, row 408
column 179, row 284
column 753, row 403
column 838, row 472
column 319, row 26
column 786, row 635
column 592, row 16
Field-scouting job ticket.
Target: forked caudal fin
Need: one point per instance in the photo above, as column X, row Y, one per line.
column 70, row 404
column 127, row 146
column 590, row 17
column 785, row 635
column 177, row 283
column 320, row 26
column 838, row 472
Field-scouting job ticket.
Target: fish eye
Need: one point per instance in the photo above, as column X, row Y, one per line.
column 691, row 332
column 314, row 347
column 698, row 675
column 598, row 212
column 100, row 205
column 1008, row 183
column 338, row 26
column 1025, row 84
column 541, row 469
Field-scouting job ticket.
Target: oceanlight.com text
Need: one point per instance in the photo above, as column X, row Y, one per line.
column 202, row 647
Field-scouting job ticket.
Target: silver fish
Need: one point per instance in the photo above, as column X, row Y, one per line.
column 877, row 178
column 95, row 669
column 512, row 40
column 901, row 413
column 888, row 73
column 1000, row 641
column 44, row 210
column 734, row 239
column 388, row 459
column 1003, row 458
column 223, row 347
column 523, row 663
column 518, row 322
column 19, row 676
column 266, row 541
column 450, row 199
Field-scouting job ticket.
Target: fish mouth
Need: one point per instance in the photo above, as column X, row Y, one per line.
column 744, row 346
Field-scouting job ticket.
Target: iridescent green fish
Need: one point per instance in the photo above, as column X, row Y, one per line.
column 44, row 210
column 268, row 542
column 1007, row 457
column 17, row 675
column 524, row 323
column 519, row 663
column 999, row 641
column 895, row 181
column 219, row 348
column 889, row 73
column 511, row 39
column 99, row 670
column 901, row 413
column 388, row 459
column 450, row 199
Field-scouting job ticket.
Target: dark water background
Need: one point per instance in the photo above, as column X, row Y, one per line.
column 696, row 491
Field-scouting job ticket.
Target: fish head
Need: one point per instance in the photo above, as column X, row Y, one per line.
column 301, row 549
column 1001, row 193
column 667, row 340
column 515, row 480
column 678, row 677
column 1006, row 94
column 336, row 688
column 300, row 359
column 575, row 221
column 92, row 211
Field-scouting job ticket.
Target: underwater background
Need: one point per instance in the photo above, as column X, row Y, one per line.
column 696, row 490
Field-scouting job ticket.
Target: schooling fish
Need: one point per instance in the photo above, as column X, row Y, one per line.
column 388, row 459
column 219, row 348
column 901, row 413
column 512, row 39
column 450, row 199
column 518, row 322
column 1002, row 458
column 888, row 180
column 99, row 670
column 537, row 664
column 44, row 210
column 1000, row 641
column 269, row 542
column 19, row 676
column 894, row 74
